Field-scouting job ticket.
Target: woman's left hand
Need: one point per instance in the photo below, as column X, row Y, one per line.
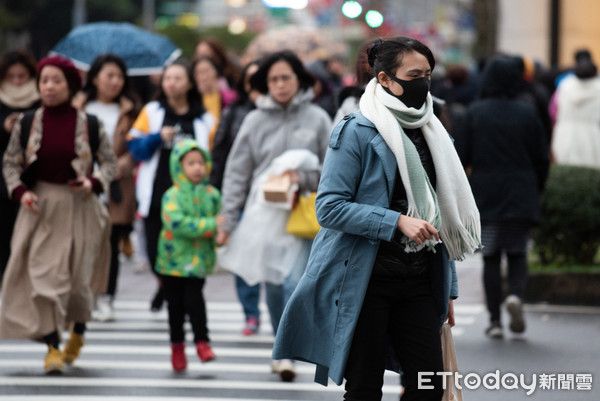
column 9, row 122
column 450, row 316
column 81, row 184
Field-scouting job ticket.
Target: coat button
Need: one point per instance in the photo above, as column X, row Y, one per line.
column 336, row 302
column 346, row 262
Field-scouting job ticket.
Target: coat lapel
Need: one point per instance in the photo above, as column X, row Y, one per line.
column 383, row 151
column 388, row 160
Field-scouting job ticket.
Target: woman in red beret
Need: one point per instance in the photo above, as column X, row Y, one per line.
column 60, row 235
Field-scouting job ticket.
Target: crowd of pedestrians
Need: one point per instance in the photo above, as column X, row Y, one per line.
column 399, row 199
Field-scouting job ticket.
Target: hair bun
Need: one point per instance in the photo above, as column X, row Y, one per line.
column 372, row 53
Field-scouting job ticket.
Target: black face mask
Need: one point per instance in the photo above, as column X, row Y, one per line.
column 415, row 91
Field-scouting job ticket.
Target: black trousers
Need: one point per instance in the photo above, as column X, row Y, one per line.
column 8, row 214
column 508, row 237
column 185, row 297
column 152, row 227
column 493, row 283
column 118, row 232
column 400, row 314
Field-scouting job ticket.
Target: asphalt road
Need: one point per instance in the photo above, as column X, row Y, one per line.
column 129, row 359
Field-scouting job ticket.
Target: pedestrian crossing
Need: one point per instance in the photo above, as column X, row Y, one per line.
column 129, row 359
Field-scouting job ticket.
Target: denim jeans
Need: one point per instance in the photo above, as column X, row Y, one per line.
column 249, row 296
column 279, row 294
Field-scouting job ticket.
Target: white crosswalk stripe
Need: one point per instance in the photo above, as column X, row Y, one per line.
column 129, row 359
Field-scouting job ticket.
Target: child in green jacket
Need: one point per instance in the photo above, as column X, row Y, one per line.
column 186, row 247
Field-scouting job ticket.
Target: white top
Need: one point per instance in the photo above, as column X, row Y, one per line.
column 576, row 136
column 107, row 113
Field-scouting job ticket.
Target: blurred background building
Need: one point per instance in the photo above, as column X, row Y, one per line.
column 459, row 31
column 548, row 30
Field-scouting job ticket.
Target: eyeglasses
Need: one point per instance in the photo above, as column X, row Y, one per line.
column 282, row 78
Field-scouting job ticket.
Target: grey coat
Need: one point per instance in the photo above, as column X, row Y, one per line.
column 266, row 133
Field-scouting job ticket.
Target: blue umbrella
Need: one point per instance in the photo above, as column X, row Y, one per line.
column 143, row 52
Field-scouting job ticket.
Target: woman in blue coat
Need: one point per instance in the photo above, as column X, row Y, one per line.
column 396, row 209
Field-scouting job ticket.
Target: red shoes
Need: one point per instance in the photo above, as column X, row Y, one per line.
column 205, row 352
column 251, row 327
column 178, row 359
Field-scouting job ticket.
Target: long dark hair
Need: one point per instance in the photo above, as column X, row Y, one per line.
column 240, row 86
column 90, row 88
column 259, row 79
column 17, row 57
column 229, row 70
column 194, row 97
column 386, row 54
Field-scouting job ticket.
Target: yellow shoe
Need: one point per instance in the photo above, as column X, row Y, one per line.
column 127, row 247
column 72, row 348
column 54, row 360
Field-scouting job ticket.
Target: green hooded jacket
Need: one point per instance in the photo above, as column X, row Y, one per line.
column 186, row 246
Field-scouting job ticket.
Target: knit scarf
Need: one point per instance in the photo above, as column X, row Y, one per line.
column 19, row 97
column 451, row 208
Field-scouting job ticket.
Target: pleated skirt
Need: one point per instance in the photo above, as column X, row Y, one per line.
column 59, row 257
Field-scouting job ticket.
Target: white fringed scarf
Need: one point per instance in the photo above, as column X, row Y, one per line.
column 451, row 208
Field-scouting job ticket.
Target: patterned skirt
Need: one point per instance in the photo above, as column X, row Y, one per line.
column 508, row 236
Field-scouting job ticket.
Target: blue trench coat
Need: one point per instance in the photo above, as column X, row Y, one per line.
column 354, row 194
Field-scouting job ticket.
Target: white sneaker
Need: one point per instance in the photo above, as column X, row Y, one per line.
column 274, row 366
column 494, row 331
column 140, row 265
column 515, row 310
column 287, row 370
column 105, row 312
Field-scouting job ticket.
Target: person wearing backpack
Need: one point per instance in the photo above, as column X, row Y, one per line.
column 62, row 229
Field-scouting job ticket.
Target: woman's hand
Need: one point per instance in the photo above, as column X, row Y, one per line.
column 81, row 184
column 9, row 122
column 220, row 219
column 293, row 174
column 167, row 133
column 222, row 236
column 29, row 201
column 450, row 316
column 416, row 229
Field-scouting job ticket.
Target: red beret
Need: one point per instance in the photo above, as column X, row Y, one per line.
column 67, row 67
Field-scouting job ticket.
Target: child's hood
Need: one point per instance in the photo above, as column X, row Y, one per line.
column 180, row 149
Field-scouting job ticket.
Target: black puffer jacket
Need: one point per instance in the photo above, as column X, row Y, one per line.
column 229, row 125
column 506, row 147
